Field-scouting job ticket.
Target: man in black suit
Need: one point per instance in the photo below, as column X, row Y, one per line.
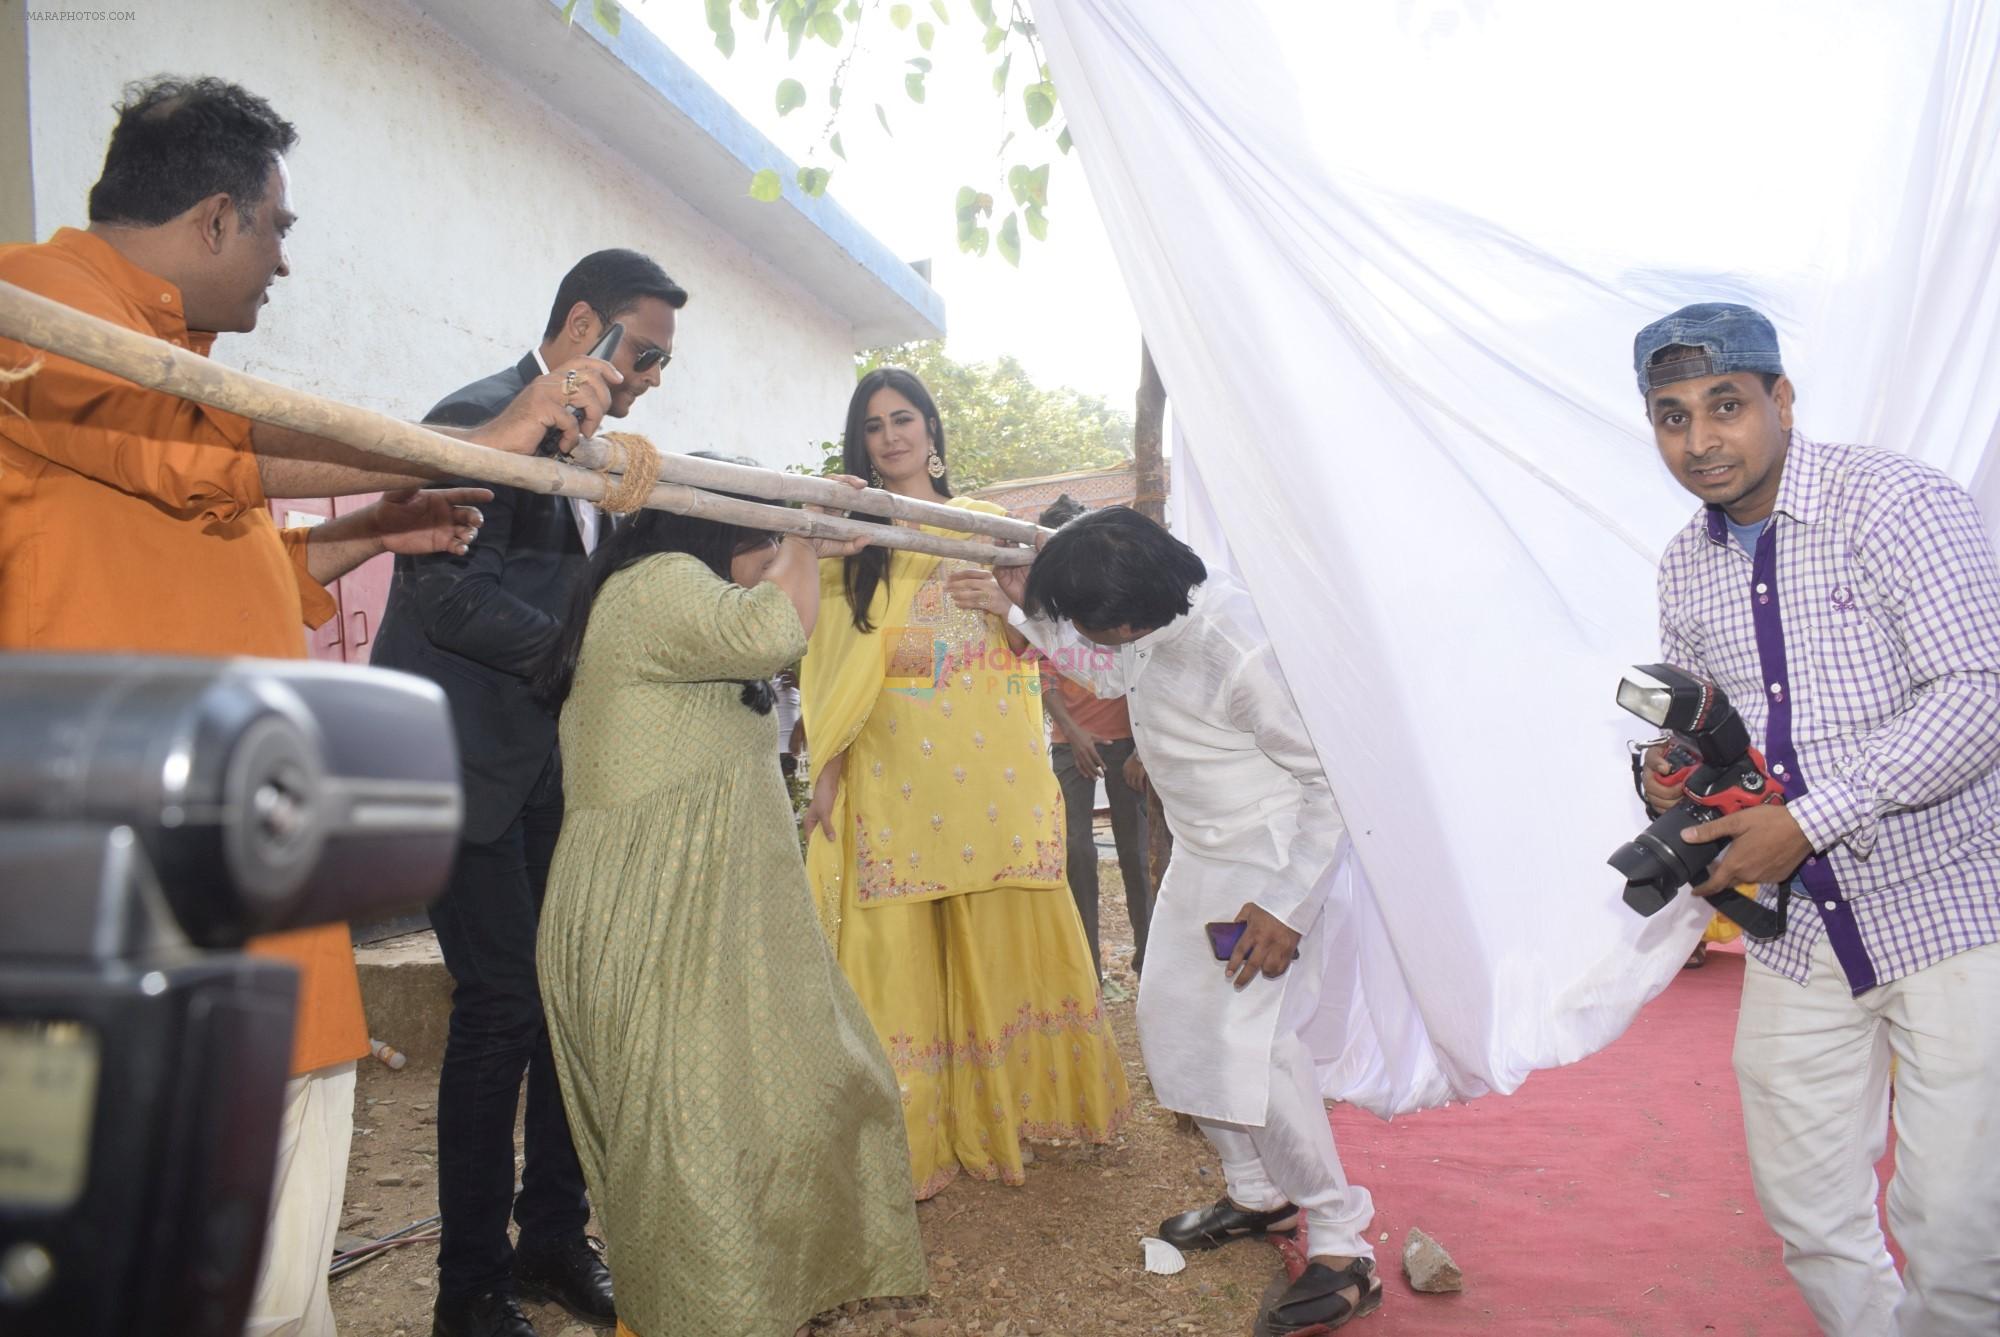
column 477, row 625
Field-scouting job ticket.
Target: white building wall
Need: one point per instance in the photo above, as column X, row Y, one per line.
column 440, row 203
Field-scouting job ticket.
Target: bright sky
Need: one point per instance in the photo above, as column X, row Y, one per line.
column 1064, row 313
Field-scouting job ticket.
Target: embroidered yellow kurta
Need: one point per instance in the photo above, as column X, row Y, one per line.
column 944, row 891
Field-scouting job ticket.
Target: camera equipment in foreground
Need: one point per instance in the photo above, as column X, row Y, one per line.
column 1710, row 754
column 151, row 812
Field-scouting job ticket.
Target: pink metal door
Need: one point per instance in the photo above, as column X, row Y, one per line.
column 328, row 641
column 364, row 591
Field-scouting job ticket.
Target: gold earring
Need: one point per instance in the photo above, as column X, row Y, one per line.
column 934, row 466
column 874, row 479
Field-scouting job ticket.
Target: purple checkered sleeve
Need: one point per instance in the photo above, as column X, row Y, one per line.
column 1888, row 600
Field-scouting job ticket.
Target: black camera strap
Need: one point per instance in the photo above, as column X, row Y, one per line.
column 1758, row 920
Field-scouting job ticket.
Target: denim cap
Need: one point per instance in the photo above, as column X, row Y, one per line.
column 1732, row 337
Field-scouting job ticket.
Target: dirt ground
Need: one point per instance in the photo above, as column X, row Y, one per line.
column 1057, row 1257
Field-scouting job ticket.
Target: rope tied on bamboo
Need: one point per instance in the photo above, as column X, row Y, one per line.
column 10, row 375
column 641, row 476
column 14, row 376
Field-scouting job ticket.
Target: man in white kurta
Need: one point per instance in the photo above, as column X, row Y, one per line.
column 1255, row 828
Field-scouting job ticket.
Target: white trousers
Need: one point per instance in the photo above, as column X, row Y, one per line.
column 1813, row 1067
column 318, row 1126
column 1291, row 1158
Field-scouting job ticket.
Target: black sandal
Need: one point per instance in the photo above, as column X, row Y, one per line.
column 1213, row 1227
column 1314, row 1302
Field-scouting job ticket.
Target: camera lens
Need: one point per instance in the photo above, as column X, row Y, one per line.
column 1657, row 863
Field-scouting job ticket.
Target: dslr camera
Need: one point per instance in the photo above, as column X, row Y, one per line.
column 1708, row 749
column 154, row 813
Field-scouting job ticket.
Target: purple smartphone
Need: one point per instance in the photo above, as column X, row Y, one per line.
column 1222, row 937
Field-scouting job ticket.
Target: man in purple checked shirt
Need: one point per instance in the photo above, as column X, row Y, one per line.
column 1846, row 599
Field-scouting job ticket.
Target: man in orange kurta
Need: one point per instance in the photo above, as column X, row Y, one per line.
column 133, row 521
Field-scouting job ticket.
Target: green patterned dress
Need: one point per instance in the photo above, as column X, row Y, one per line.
column 738, row 1123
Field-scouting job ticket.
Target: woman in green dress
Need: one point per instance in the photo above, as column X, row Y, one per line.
column 738, row 1123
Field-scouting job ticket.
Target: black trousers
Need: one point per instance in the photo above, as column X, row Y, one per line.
column 1128, row 829
column 486, row 924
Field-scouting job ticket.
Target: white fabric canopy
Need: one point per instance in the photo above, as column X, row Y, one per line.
column 1390, row 259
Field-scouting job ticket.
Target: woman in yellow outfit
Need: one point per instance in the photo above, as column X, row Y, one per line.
column 936, row 839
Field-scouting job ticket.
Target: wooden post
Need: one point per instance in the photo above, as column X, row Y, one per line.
column 1149, row 467
column 1148, row 455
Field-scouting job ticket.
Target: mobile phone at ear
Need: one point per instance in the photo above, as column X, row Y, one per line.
column 606, row 345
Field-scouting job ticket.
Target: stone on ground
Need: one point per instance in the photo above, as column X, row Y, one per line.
column 1428, row 1266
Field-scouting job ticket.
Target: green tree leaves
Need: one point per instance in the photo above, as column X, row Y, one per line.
column 606, row 12
column 720, row 24
column 973, row 206
column 838, row 23
column 1030, row 185
column 1040, row 100
column 1010, row 241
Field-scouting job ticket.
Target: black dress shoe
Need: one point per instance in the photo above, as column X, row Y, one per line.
column 490, row 1314
column 1213, row 1227
column 572, row 1275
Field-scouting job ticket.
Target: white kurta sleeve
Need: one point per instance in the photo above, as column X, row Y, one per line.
column 1260, row 703
column 1095, row 666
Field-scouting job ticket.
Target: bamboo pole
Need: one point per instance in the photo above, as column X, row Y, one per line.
column 771, row 485
column 35, row 320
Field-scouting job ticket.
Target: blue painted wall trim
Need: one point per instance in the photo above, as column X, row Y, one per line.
column 669, row 76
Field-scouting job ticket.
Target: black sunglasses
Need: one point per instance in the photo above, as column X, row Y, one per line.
column 648, row 358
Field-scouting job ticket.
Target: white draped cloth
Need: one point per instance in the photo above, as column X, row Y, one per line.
column 1389, row 259
column 1253, row 821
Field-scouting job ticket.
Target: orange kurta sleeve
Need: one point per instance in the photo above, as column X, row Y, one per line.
column 185, row 458
column 316, row 603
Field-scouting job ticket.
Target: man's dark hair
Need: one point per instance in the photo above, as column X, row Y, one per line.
column 179, row 141
column 1114, row 568
column 1061, row 511
column 611, row 283
column 1673, row 353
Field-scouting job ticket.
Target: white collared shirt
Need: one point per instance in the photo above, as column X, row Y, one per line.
column 588, row 517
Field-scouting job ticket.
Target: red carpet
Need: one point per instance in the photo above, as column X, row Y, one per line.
column 1612, row 1196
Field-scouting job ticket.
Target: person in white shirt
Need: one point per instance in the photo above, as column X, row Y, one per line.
column 1128, row 610
column 791, row 734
